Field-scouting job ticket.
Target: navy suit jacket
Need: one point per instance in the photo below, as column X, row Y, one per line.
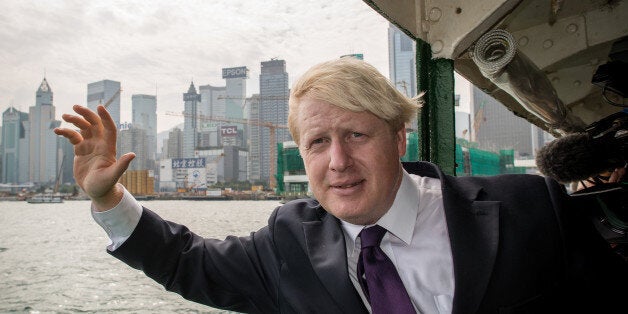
column 519, row 246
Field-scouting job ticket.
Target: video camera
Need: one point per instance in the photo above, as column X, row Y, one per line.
column 611, row 210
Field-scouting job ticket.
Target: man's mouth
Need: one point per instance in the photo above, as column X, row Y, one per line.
column 347, row 186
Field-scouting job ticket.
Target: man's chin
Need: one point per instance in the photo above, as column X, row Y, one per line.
column 351, row 214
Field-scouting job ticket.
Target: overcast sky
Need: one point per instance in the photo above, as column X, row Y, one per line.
column 158, row 47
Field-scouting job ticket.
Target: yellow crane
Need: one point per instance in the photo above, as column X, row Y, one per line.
column 117, row 93
column 478, row 119
column 272, row 128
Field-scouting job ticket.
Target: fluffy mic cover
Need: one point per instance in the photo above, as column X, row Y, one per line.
column 577, row 157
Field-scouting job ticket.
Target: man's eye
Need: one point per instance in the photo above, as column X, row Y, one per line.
column 316, row 142
column 357, row 134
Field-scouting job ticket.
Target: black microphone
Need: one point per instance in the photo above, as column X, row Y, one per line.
column 579, row 156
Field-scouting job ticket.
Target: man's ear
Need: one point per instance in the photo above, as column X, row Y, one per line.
column 400, row 136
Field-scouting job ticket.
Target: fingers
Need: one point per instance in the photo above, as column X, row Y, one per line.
column 87, row 114
column 92, row 123
column 73, row 136
column 123, row 163
column 107, row 121
column 617, row 175
column 78, row 121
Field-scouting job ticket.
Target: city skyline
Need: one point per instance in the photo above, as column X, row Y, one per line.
column 159, row 48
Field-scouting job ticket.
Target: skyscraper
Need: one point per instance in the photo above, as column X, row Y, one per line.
column 42, row 141
column 191, row 101
column 134, row 139
column 401, row 61
column 144, row 116
column 174, row 146
column 66, row 150
column 212, row 105
column 253, row 136
column 103, row 91
column 495, row 127
column 274, row 93
column 235, row 96
column 235, row 91
column 14, row 146
column 223, row 103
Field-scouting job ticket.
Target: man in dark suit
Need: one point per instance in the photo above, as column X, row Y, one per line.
column 508, row 244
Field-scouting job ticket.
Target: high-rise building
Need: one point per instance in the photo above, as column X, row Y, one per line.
column 191, row 121
column 401, row 61
column 219, row 104
column 253, row 136
column 274, row 93
column 213, row 101
column 495, row 127
column 213, row 105
column 235, row 162
column 174, row 146
column 43, row 161
column 144, row 117
column 235, row 91
column 66, row 150
column 402, row 64
column 235, row 99
column 14, row 146
column 99, row 93
column 134, row 140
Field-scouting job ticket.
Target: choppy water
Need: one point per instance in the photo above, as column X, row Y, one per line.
column 53, row 259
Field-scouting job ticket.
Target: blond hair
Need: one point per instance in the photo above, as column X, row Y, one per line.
column 354, row 85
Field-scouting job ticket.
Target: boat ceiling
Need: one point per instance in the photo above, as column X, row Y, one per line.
column 567, row 40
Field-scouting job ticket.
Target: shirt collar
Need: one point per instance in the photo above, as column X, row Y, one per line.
column 400, row 219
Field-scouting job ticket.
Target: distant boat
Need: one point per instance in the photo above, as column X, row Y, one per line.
column 44, row 198
column 48, row 197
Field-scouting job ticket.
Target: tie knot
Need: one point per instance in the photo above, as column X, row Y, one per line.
column 372, row 236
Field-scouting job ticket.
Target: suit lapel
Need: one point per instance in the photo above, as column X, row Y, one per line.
column 327, row 252
column 473, row 227
column 474, row 236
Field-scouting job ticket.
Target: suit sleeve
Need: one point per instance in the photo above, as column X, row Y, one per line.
column 237, row 274
column 593, row 271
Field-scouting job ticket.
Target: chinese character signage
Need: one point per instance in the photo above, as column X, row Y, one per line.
column 184, row 163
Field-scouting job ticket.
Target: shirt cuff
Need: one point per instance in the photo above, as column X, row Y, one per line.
column 120, row 221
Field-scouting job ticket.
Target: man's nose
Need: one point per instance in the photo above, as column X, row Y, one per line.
column 339, row 156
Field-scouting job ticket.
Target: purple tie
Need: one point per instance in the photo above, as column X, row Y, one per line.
column 379, row 278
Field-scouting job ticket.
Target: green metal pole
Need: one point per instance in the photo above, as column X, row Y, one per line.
column 436, row 125
column 423, row 57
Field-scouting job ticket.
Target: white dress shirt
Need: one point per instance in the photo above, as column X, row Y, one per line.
column 120, row 221
column 417, row 241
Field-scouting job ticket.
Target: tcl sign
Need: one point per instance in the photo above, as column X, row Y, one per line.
column 229, row 130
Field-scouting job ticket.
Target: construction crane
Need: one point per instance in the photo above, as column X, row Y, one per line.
column 112, row 98
column 272, row 128
column 478, row 120
column 245, row 98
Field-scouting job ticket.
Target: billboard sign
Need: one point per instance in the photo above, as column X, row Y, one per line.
column 124, row 126
column 235, row 72
column 228, row 131
column 184, row 163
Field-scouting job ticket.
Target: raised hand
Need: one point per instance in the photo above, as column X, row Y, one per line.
column 96, row 169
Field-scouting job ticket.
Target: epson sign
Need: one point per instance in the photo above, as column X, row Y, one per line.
column 235, row 72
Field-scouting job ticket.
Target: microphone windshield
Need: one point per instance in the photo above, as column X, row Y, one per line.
column 576, row 157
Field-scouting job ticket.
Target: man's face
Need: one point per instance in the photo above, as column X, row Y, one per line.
column 351, row 160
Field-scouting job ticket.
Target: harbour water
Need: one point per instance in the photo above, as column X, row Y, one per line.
column 53, row 257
